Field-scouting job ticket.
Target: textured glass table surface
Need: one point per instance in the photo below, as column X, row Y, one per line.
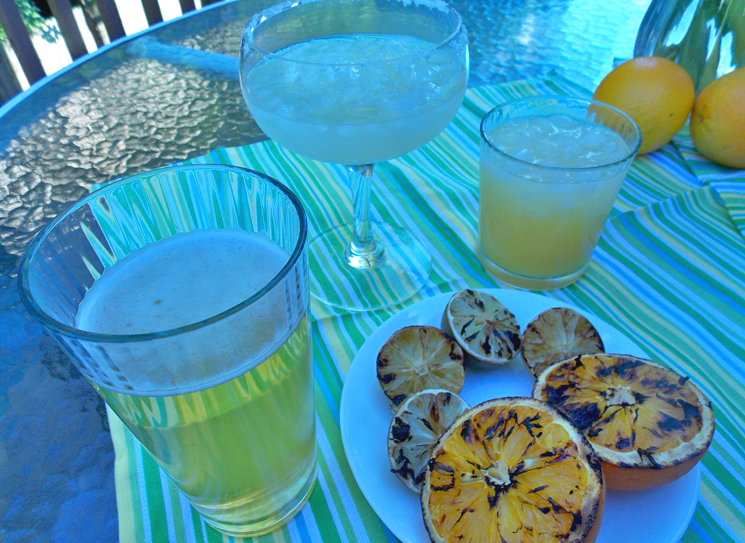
column 166, row 95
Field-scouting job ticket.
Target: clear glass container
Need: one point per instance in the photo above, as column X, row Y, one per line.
column 543, row 207
column 181, row 294
column 706, row 37
column 355, row 82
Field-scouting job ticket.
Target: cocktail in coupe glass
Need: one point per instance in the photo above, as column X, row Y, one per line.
column 181, row 294
column 550, row 169
column 355, row 82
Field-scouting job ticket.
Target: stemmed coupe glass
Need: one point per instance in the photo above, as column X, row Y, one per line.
column 355, row 82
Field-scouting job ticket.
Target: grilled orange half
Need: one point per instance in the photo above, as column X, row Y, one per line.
column 513, row 470
column 648, row 424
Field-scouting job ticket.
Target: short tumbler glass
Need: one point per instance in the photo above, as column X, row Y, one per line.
column 223, row 401
column 540, row 222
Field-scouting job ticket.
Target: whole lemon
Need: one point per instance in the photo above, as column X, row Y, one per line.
column 654, row 91
column 718, row 120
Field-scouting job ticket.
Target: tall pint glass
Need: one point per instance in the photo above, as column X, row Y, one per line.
column 181, row 294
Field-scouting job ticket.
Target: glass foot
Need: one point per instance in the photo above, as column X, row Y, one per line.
column 401, row 271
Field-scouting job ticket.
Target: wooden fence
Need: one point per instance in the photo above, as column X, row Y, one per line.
column 98, row 14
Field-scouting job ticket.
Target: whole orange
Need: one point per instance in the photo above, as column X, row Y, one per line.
column 718, row 120
column 654, row 91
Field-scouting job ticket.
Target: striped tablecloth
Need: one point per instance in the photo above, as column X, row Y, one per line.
column 669, row 272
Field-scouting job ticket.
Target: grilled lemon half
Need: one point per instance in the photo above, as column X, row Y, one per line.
column 648, row 424
column 513, row 470
column 557, row 334
column 417, row 358
column 416, row 427
column 485, row 329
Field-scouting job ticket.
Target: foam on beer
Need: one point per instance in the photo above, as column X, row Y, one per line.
column 180, row 280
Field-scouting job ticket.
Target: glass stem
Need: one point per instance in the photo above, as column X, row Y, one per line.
column 363, row 251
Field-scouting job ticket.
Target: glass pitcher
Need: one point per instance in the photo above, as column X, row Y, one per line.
column 706, row 37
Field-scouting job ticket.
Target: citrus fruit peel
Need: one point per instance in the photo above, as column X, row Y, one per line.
column 513, row 470
column 647, row 424
column 416, row 426
column 654, row 91
column 557, row 334
column 485, row 329
column 718, row 120
column 417, row 358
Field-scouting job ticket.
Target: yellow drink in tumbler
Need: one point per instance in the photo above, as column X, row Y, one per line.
column 240, row 447
column 540, row 216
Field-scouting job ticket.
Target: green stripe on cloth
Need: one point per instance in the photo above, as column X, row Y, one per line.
column 668, row 272
column 728, row 183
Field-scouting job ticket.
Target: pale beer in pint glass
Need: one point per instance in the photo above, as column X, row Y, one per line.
column 182, row 295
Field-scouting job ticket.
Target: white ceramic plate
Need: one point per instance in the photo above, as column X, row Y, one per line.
column 660, row 515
